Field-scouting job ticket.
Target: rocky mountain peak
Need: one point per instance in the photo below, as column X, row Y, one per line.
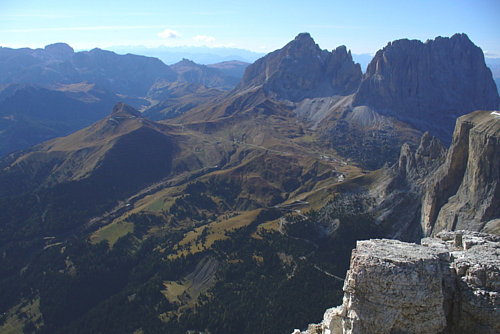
column 302, row 70
column 428, row 85
column 302, row 42
column 455, row 38
column 414, row 166
column 430, row 147
column 60, row 51
column 345, row 74
column 406, row 162
column 304, row 37
column 184, row 62
column 342, row 51
column 124, row 110
column 193, row 73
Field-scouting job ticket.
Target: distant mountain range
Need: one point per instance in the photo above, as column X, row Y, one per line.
column 199, row 54
column 208, row 55
column 97, row 79
column 50, row 92
column 208, row 76
column 59, row 64
column 410, row 87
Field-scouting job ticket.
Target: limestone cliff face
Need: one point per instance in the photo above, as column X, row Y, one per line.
column 415, row 167
column 449, row 284
column 398, row 192
column 301, row 69
column 430, row 190
column 464, row 193
column 428, row 85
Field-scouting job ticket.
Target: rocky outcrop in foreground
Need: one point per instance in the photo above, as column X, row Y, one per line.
column 449, row 284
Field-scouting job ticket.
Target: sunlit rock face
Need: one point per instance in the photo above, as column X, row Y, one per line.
column 449, row 284
column 464, row 193
column 302, row 70
column 428, row 85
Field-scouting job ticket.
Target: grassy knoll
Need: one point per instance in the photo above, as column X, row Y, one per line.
column 112, row 232
column 193, row 241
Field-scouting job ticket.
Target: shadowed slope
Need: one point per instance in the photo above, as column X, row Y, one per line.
column 83, row 173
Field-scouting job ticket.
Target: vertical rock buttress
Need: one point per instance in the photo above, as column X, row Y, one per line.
column 464, row 193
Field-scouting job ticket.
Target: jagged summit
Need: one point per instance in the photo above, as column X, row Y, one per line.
column 303, row 40
column 185, row 62
column 428, row 85
column 301, row 69
column 415, row 166
column 124, row 110
column 304, row 36
column 342, row 49
column 457, row 38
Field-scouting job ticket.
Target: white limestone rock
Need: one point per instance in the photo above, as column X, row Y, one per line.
column 449, row 284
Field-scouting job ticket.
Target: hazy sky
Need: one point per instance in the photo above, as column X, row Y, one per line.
column 262, row 26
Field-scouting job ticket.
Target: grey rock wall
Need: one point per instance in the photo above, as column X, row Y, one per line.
column 302, row 70
column 464, row 193
column 449, row 284
column 428, row 85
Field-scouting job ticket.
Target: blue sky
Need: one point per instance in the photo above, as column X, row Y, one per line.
column 262, row 26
